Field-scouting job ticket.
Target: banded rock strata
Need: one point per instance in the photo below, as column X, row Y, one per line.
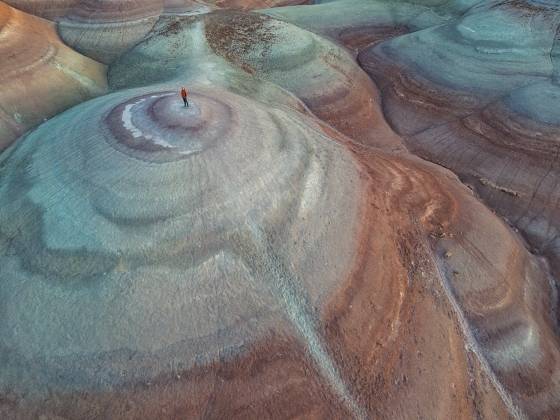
column 104, row 29
column 40, row 76
column 479, row 96
column 171, row 202
column 321, row 74
column 370, row 21
column 398, row 287
column 244, row 258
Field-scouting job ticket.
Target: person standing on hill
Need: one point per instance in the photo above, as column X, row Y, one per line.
column 184, row 94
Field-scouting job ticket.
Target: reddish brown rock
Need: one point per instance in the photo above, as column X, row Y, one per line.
column 49, row 9
column 483, row 104
column 318, row 72
column 434, row 291
column 243, row 258
column 39, row 75
column 254, row 4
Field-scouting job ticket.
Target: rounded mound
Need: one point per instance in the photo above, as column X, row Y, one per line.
column 196, row 220
column 321, row 74
column 50, row 9
column 39, row 75
column 158, row 128
column 103, row 30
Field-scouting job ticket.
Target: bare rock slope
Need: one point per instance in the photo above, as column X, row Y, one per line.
column 479, row 95
column 39, row 75
column 280, row 248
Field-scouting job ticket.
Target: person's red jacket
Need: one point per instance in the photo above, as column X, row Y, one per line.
column 184, row 93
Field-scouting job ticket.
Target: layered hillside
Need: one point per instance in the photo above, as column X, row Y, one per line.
column 39, row 75
column 354, row 217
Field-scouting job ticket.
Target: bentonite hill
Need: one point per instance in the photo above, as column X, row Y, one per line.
column 357, row 216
